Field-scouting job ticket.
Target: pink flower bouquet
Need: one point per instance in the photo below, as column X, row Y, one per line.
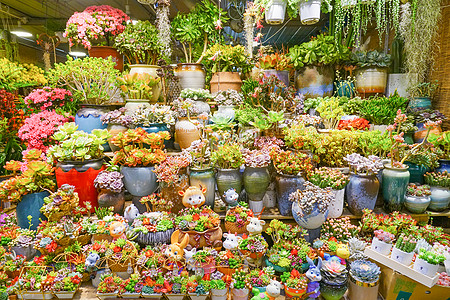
column 95, row 23
column 49, row 98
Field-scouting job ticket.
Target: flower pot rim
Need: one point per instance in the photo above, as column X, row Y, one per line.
column 144, row 65
column 79, row 162
column 122, row 166
column 227, row 169
column 363, row 174
column 289, row 175
column 86, row 105
column 389, row 167
column 136, row 100
column 444, row 160
column 153, row 124
column 440, row 187
column 202, row 169
column 395, row 247
column 362, row 283
column 190, row 64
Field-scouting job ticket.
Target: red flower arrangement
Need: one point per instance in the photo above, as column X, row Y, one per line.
column 38, row 129
column 356, row 123
column 8, row 110
column 48, row 98
column 94, row 23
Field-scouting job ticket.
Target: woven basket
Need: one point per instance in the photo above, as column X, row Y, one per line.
column 233, row 228
column 84, row 239
column 117, row 266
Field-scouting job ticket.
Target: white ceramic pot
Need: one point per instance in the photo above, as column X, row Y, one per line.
column 397, row 82
column 191, row 76
column 336, row 207
column 32, row 295
column 202, row 107
column 346, row 4
column 425, row 268
column 133, row 104
column 371, row 81
column 275, row 12
column 402, row 257
column 128, row 295
column 256, row 206
column 219, row 294
column 270, row 197
column 381, row 247
column 310, row 11
column 149, row 69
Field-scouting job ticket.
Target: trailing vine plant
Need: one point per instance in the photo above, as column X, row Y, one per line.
column 163, row 25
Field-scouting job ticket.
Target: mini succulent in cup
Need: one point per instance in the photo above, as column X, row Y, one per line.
column 109, row 180
column 118, row 117
column 365, row 271
column 418, row 190
column 406, row 243
column 327, row 177
column 431, row 257
column 384, row 236
column 310, row 196
column 438, row 179
column 359, row 164
column 294, row 280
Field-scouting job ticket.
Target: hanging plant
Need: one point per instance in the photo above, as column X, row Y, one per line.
column 163, row 25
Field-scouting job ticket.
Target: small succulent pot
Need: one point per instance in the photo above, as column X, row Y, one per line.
column 29, row 252
column 336, row 207
column 292, row 293
column 330, row 291
column 425, row 268
column 219, row 294
column 417, row 205
column 381, row 247
column 256, row 206
column 402, row 257
column 239, row 294
column 440, row 198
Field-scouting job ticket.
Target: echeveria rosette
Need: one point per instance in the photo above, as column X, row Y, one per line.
column 153, row 114
column 418, row 190
column 108, row 180
column 334, row 272
column 228, row 98
column 117, row 117
column 256, row 158
column 365, row 271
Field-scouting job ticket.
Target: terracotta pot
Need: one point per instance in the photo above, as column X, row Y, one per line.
column 421, row 132
column 191, row 76
column 107, row 198
column 209, row 238
column 149, row 69
column 170, row 192
column 186, row 132
column 105, row 52
column 371, row 81
column 222, row 81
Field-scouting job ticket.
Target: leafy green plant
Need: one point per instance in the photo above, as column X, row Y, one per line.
column 375, row 143
column 424, row 89
column 227, row 157
column 330, row 111
column 441, row 179
column 137, row 86
column 382, row 110
column 139, row 43
column 371, row 59
column 291, row 163
column 226, row 58
column 77, row 145
column 335, row 146
column 14, row 75
column 247, row 114
column 441, row 141
column 431, row 257
column 91, row 80
column 326, row 177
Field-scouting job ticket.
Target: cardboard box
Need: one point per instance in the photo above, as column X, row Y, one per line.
column 394, row 286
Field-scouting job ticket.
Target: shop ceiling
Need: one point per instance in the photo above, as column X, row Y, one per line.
column 51, row 15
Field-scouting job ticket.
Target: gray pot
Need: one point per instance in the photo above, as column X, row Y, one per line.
column 417, row 205
column 29, row 252
column 228, row 179
column 139, row 181
column 256, row 182
column 362, row 192
column 154, row 238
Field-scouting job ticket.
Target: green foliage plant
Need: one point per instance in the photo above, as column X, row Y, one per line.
column 424, row 89
column 330, row 111
column 374, row 142
column 371, row 59
column 137, row 86
column 406, row 243
column 335, row 146
column 441, row 179
column 442, row 142
column 226, row 58
column 431, row 257
column 382, row 110
column 228, row 156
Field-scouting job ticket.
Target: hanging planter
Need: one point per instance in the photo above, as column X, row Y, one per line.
column 310, row 11
column 274, row 14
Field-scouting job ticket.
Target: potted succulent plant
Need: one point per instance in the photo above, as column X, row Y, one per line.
column 421, row 94
column 132, row 287
column 226, row 101
column 138, row 89
column 403, row 250
column 256, row 177
column 79, row 156
column 66, row 284
column 417, row 198
column 97, row 24
column 334, row 279
column 363, row 186
column 382, row 241
column 295, row 284
column 291, row 168
column 440, row 193
column 236, row 219
column 310, row 206
column 224, row 61
column 442, row 142
column 152, row 228
column 60, row 203
column 196, row 28
column 421, row 117
column 36, row 283
column 92, row 82
column 137, row 162
column 109, row 286
column 23, row 245
column 371, row 77
column 154, row 118
column 186, row 127
column 228, row 159
column 364, row 276
column 310, row 62
column 200, row 98
column 239, row 289
column 218, row 289
column 260, row 278
column 331, row 112
column 28, row 187
column 427, row 262
column 277, row 64
column 109, row 185
column 326, row 177
column 118, row 121
column 205, row 260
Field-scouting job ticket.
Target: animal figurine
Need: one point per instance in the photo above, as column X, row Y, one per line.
column 255, row 226
column 131, row 213
column 342, row 251
column 273, row 290
column 231, row 241
column 231, row 197
column 314, row 276
column 190, row 262
column 117, row 230
column 194, row 196
column 91, row 260
column 175, row 250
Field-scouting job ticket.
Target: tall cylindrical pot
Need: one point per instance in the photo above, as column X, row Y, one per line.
column 81, row 174
column 315, row 81
column 358, row 290
column 362, row 192
column 256, row 182
column 151, row 70
column 336, row 207
column 222, row 81
column 274, row 14
column 312, row 220
column 186, row 132
column 440, row 198
column 310, row 11
column 397, row 82
column 285, row 185
column 371, row 81
column 191, row 75
column 139, row 181
column 205, row 178
column 105, row 52
column 228, row 179
column 395, row 182
column 29, row 205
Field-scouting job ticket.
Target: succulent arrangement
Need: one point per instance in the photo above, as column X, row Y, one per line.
column 418, row 190
column 291, row 163
column 253, row 244
column 256, row 158
column 406, row 243
column 327, row 177
column 341, row 229
column 311, row 196
column 195, row 94
column 431, row 257
column 153, row 222
column 228, row 98
column 153, row 114
column 238, row 215
column 361, row 165
column 228, row 156
column 441, row 179
column 294, row 280
column 171, row 170
column 109, row 180
column 364, row 271
column 137, row 85
column 63, row 201
column 117, row 117
column 384, row 236
column 198, row 219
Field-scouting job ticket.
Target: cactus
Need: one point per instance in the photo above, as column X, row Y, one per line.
column 406, row 244
column 365, row 271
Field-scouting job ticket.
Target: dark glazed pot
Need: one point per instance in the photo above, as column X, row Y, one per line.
column 285, row 185
column 362, row 191
column 107, row 198
column 256, row 182
column 395, row 182
column 228, row 179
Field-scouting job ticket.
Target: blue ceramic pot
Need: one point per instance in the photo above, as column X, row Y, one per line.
column 312, row 220
column 362, row 192
column 30, row 206
column 416, row 172
column 420, row 102
column 444, row 165
column 395, row 182
column 345, row 88
column 440, row 198
column 417, row 205
column 285, row 185
column 139, row 181
column 205, row 178
column 88, row 118
column 155, row 128
column 256, row 182
column 281, row 75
